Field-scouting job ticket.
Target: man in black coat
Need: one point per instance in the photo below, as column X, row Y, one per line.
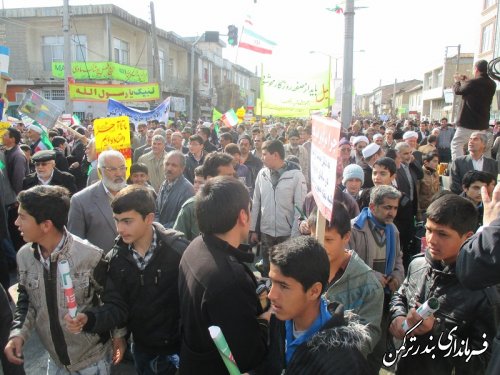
column 478, row 264
column 477, row 95
column 46, row 173
column 216, row 288
column 407, row 177
column 465, row 320
column 474, row 161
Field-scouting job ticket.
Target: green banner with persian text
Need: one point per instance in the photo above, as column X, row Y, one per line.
column 294, row 95
column 101, row 71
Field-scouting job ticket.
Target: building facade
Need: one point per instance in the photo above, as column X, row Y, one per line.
column 439, row 81
column 107, row 33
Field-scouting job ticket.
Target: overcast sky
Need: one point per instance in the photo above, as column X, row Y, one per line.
column 401, row 38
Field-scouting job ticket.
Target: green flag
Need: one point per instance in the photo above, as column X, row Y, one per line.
column 216, row 115
column 2, row 165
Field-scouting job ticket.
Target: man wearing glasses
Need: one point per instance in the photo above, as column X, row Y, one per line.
column 90, row 214
column 46, row 173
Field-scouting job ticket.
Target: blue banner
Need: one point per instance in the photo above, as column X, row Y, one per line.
column 160, row 113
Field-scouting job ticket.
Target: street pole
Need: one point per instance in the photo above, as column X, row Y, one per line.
column 191, row 76
column 68, row 105
column 455, row 96
column 156, row 54
column 394, row 111
column 346, row 114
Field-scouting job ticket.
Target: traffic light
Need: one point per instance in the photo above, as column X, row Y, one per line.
column 232, row 35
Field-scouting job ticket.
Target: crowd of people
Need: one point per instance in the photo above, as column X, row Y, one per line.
column 159, row 256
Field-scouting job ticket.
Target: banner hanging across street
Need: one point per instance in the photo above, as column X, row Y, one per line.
column 160, row 113
column 101, row 71
column 293, row 95
column 122, row 93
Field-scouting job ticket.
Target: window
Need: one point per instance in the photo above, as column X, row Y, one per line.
column 489, row 3
column 53, row 94
column 161, row 54
column 428, row 82
column 487, row 38
column 120, row 51
column 440, row 78
column 53, row 49
column 80, row 115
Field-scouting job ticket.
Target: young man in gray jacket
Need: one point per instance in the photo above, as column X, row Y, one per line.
column 43, row 213
column 279, row 188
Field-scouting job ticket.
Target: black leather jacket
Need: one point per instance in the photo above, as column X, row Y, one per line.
column 149, row 296
column 473, row 313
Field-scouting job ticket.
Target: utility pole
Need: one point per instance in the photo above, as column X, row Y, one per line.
column 156, row 55
column 453, row 110
column 191, row 76
column 346, row 114
column 68, row 105
column 394, row 111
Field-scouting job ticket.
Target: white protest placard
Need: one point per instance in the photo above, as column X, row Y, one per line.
column 325, row 140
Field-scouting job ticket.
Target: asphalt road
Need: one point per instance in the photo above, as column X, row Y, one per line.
column 36, row 360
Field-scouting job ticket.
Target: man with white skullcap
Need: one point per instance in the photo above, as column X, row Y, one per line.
column 359, row 144
column 35, row 135
column 371, row 154
column 410, row 138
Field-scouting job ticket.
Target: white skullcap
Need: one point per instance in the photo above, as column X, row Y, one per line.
column 370, row 150
column 361, row 138
column 410, row 134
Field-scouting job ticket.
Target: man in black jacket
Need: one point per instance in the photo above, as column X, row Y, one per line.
column 46, row 173
column 142, row 275
column 458, row 335
column 216, row 288
column 478, row 264
column 477, row 95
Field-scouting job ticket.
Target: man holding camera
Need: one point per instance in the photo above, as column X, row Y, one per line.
column 477, row 95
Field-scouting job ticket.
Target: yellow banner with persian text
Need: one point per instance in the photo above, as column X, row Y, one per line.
column 122, row 93
column 113, row 133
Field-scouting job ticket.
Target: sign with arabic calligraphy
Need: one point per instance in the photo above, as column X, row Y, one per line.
column 101, row 71
column 122, row 93
column 325, row 140
column 113, row 133
column 39, row 109
column 160, row 113
column 294, row 95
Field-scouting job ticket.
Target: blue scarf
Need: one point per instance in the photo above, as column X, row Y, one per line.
column 292, row 343
column 390, row 238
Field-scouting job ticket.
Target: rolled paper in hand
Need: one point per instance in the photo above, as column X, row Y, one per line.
column 69, row 292
column 425, row 310
column 224, row 351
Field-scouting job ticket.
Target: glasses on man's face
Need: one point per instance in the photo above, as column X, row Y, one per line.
column 115, row 169
column 41, row 163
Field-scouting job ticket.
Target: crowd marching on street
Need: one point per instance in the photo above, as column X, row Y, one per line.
column 213, row 225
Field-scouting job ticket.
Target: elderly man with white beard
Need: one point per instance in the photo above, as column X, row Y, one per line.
column 90, row 214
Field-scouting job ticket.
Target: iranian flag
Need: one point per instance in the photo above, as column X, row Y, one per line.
column 229, row 118
column 253, row 41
